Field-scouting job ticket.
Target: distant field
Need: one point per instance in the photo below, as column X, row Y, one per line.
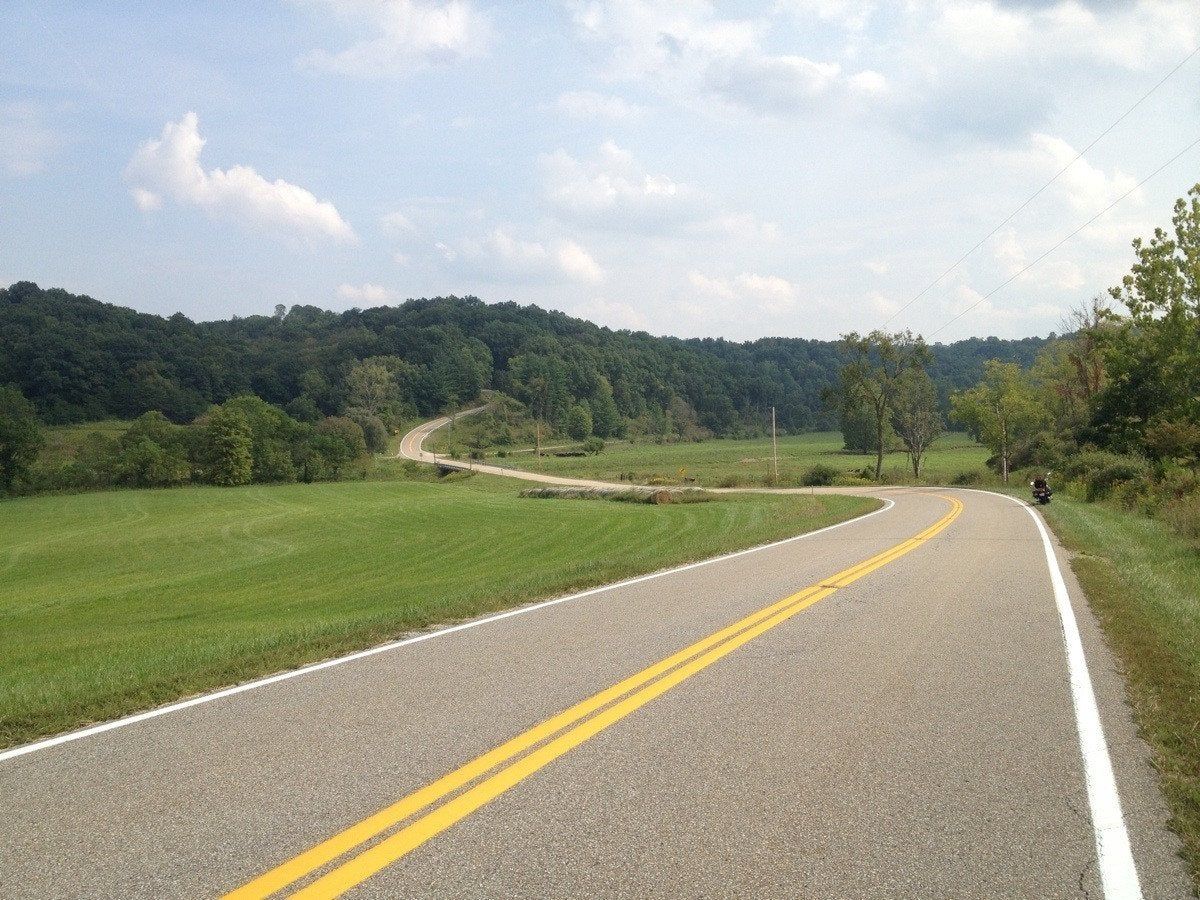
column 116, row 601
column 62, row 440
column 717, row 462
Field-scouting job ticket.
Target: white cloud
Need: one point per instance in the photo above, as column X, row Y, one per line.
column 774, row 84
column 25, row 142
column 683, row 49
column 743, row 226
column 366, row 294
column 612, row 189
column 405, row 36
column 591, row 106
column 876, row 266
column 501, row 254
column 1130, row 35
column 768, row 292
column 170, row 167
column 576, row 262
column 1086, row 187
column 396, row 223
column 852, row 15
column 614, row 314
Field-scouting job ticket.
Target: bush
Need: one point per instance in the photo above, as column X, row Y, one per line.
column 1183, row 515
column 593, row 445
column 1044, row 450
column 1100, row 472
column 968, row 477
column 731, row 481
column 819, row 475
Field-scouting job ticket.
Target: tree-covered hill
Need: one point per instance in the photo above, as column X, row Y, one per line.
column 78, row 359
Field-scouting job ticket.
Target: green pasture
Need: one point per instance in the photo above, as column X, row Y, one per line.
column 63, row 440
column 731, row 463
column 117, row 601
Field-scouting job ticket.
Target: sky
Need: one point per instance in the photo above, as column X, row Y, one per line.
column 787, row 167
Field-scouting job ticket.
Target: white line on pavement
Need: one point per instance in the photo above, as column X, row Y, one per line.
column 1118, row 873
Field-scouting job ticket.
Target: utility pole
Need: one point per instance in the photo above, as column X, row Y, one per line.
column 774, row 445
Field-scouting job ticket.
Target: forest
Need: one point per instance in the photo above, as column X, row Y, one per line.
column 77, row 359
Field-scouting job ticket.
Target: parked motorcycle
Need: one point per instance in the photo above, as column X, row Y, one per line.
column 1041, row 491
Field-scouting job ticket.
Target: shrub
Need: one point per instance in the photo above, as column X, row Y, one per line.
column 1183, row 515
column 731, row 481
column 819, row 475
column 1101, row 481
column 849, row 479
column 593, row 445
column 477, row 453
column 968, row 477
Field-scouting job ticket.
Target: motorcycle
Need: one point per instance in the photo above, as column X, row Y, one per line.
column 1041, row 491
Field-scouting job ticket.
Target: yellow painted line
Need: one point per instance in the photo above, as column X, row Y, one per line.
column 684, row 664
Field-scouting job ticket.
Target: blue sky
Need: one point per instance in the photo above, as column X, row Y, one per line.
column 788, row 167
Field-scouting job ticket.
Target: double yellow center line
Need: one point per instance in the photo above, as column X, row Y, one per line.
column 549, row 740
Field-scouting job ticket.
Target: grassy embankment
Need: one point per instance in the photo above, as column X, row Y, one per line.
column 119, row 600
column 1143, row 582
column 731, row 463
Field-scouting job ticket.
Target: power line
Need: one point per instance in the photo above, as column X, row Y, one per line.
column 1039, row 191
column 1026, row 268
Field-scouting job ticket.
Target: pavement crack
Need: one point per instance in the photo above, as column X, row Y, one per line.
column 1083, row 817
column 1087, row 895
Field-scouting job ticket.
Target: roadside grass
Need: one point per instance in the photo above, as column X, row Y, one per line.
column 1143, row 582
column 733, row 463
column 116, row 601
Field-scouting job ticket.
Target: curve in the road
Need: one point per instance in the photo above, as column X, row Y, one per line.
column 1113, row 851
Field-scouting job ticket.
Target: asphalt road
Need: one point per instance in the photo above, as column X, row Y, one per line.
column 879, row 710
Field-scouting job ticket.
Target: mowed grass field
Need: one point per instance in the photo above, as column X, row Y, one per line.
column 118, row 601
column 719, row 463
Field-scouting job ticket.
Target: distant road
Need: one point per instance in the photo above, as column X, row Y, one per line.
column 884, row 709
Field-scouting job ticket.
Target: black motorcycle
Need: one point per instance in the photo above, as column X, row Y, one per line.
column 1041, row 491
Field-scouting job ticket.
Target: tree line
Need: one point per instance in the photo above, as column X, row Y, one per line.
column 77, row 360
column 244, row 440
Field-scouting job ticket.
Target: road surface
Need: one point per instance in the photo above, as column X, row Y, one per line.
column 884, row 709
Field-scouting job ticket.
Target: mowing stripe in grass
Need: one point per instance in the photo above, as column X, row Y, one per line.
column 395, row 645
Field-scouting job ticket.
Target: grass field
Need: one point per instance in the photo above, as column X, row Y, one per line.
column 120, row 600
column 1143, row 581
column 62, row 440
column 719, row 463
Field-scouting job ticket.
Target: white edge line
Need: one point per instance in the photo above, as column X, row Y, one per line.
column 1118, row 872
column 92, row 730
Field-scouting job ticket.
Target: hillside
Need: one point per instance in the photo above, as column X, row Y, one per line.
column 78, row 359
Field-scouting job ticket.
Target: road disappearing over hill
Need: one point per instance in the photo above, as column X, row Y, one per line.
column 885, row 708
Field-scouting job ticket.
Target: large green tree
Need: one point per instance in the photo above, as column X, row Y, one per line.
column 20, row 437
column 915, row 415
column 1151, row 356
column 228, row 447
column 870, row 376
column 999, row 410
